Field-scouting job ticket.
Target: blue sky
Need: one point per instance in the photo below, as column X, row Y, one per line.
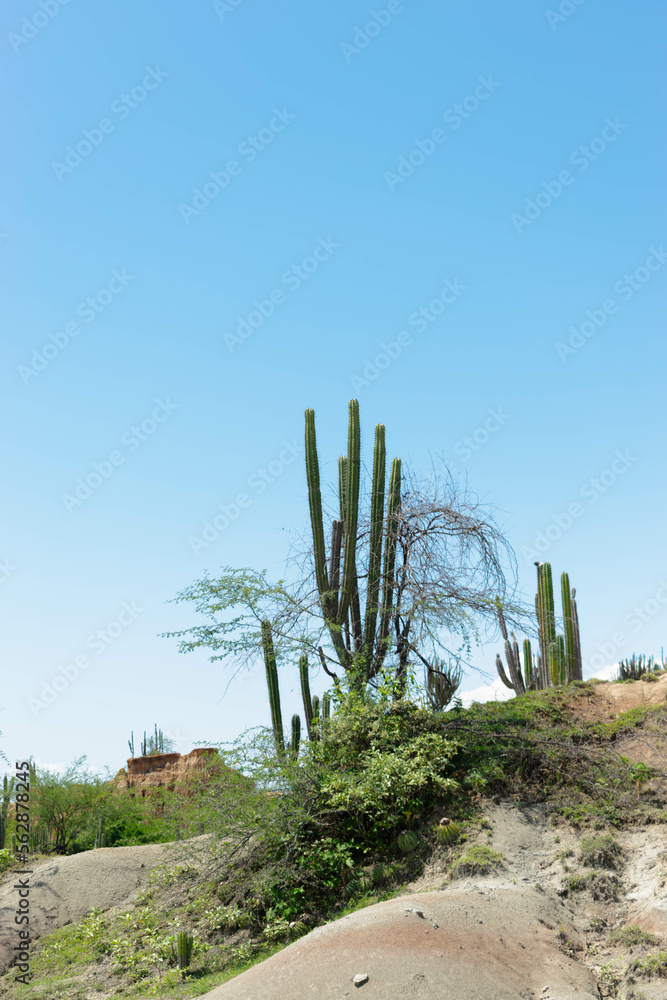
column 451, row 190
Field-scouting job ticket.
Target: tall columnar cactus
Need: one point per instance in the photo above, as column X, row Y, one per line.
column 527, row 664
column 546, row 622
column 568, row 627
column 272, row 684
column 360, row 642
column 296, row 737
column 578, row 665
column 305, row 696
column 559, row 659
column 184, row 943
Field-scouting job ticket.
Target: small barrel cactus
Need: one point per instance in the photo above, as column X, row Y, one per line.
column 407, row 841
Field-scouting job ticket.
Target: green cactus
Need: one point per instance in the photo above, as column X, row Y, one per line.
column 360, row 642
column 7, row 789
column 316, row 712
column 527, row 664
column 515, row 680
column 305, row 695
column 296, row 737
column 578, row 665
column 274, row 690
column 559, row 657
column 568, row 627
column 183, row 950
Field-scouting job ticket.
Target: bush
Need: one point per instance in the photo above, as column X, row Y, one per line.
column 477, row 860
column 599, row 851
column 632, row 936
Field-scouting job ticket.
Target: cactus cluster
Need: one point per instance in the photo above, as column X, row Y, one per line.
column 559, row 658
column 361, row 640
column 315, row 725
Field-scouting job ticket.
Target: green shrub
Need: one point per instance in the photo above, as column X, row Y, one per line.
column 599, row 851
column 651, row 965
column 600, row 885
column 477, row 860
column 632, row 936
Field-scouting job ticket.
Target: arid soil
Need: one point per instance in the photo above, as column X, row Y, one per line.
column 66, row 889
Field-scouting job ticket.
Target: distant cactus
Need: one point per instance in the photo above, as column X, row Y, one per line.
column 305, row 695
column 442, row 681
column 274, row 691
column 296, row 737
column 183, row 950
column 527, row 664
column 559, row 659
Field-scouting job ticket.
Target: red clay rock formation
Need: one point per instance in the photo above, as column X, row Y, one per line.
column 163, row 770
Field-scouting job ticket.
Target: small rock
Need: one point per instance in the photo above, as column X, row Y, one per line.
column 522, row 944
column 445, row 821
column 544, row 989
column 292, row 923
column 436, row 924
column 479, row 921
column 360, row 979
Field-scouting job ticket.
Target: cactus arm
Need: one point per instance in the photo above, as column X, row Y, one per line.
column 527, row 664
column 305, row 694
column 334, row 572
column 349, row 581
column 390, row 540
column 272, row 684
column 375, row 552
column 568, row 626
column 502, row 674
column 578, row 668
column 315, row 504
column 296, row 736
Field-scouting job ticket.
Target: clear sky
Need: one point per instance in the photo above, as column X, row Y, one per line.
column 216, row 215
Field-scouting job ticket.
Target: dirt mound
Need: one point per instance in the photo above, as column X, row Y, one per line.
column 67, row 889
column 607, row 699
column 476, row 942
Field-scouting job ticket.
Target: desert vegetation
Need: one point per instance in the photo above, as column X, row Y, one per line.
column 289, row 827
